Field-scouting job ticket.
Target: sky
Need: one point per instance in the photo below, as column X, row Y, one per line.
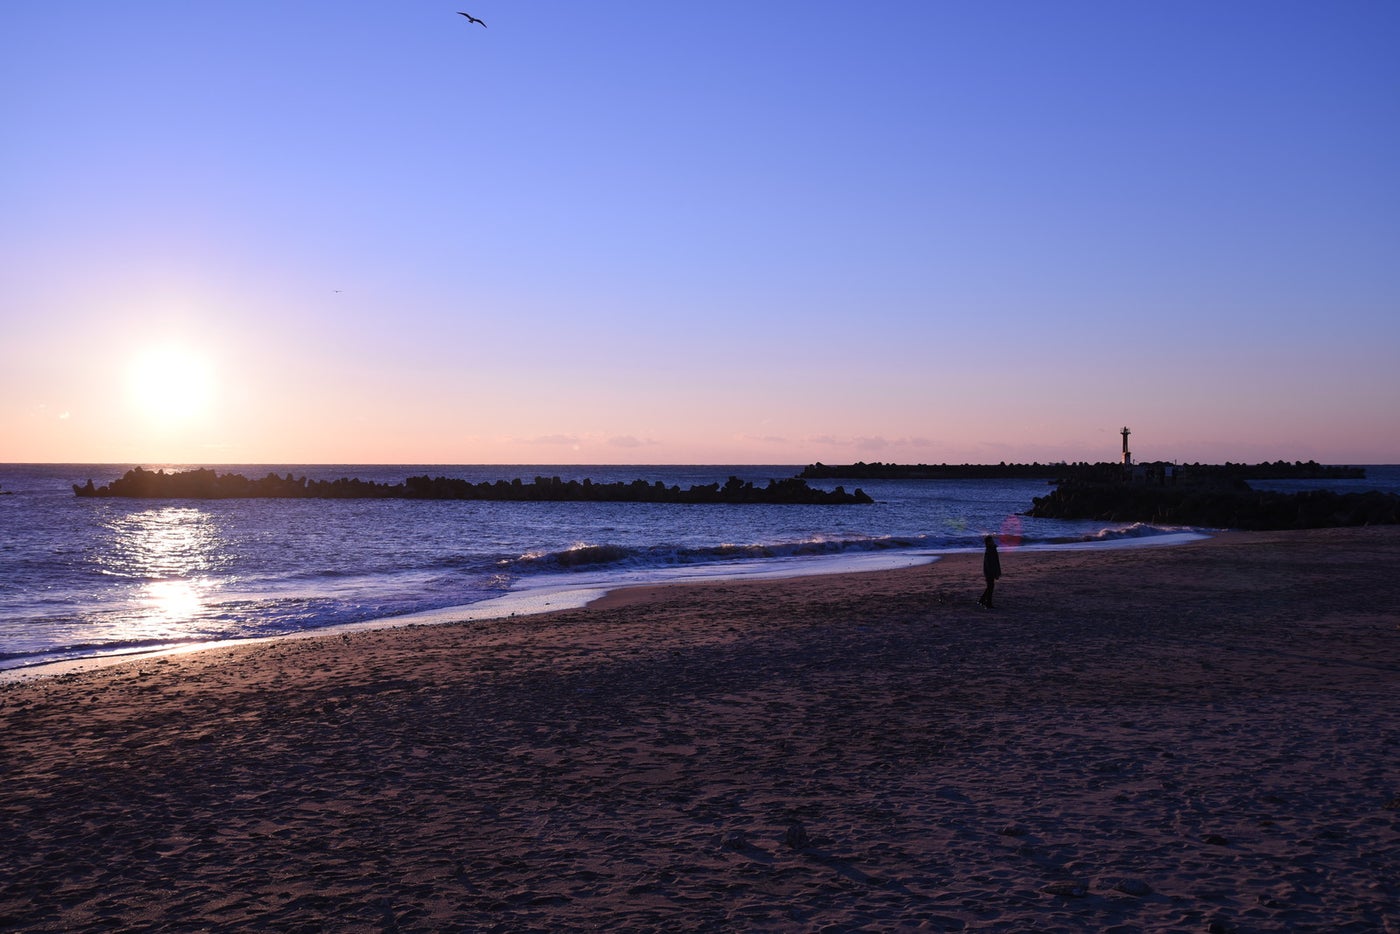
column 740, row 232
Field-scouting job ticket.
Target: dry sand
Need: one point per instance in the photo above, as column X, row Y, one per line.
column 1197, row 738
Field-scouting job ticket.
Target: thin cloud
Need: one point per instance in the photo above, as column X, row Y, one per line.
column 628, row 441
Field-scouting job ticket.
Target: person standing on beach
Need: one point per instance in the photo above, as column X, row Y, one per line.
column 991, row 570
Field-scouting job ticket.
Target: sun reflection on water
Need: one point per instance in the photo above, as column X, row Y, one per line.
column 172, row 551
column 175, row 541
column 174, row 601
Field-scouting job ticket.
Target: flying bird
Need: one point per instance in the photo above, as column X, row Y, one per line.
column 472, row 19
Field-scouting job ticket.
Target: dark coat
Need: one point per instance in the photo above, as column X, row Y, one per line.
column 991, row 563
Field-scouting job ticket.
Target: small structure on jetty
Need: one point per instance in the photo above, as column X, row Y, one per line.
column 1160, row 473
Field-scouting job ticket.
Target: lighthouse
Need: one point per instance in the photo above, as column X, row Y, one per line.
column 1127, row 455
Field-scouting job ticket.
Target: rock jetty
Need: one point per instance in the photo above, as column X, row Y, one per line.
column 204, row 483
column 881, row 471
column 1062, row 471
column 1216, row 505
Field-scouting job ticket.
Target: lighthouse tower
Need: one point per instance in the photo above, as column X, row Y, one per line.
column 1127, row 455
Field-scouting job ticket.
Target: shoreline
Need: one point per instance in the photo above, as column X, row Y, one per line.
column 537, row 599
column 1203, row 736
column 558, row 592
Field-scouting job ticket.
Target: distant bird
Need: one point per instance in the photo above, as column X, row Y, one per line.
column 472, row 19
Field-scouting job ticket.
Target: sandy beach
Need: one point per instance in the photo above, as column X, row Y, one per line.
column 1203, row 737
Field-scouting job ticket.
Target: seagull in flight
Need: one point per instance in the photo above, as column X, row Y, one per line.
column 472, row 19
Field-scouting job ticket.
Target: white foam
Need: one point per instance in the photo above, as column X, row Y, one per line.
column 547, row 593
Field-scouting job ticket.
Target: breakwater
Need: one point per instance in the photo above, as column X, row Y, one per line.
column 881, row 471
column 1103, row 471
column 1215, row 505
column 204, row 483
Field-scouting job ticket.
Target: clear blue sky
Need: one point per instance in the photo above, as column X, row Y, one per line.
column 650, row 232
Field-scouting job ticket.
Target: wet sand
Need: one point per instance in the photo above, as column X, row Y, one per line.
column 1203, row 737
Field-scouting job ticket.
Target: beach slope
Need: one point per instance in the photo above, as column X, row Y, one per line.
column 1202, row 737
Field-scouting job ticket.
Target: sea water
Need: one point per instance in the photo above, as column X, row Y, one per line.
column 92, row 577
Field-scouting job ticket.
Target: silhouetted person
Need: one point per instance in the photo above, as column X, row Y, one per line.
column 991, row 570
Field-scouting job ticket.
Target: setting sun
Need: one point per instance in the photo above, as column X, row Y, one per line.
column 169, row 385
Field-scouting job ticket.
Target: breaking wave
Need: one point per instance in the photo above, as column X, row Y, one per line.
column 621, row 557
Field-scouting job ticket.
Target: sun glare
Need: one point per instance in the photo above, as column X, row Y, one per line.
column 169, row 385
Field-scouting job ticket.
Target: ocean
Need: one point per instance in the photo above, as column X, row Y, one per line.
column 91, row 578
